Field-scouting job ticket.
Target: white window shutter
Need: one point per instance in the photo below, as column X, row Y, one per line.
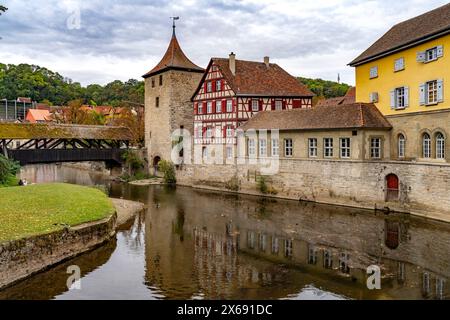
column 421, row 56
column 440, row 51
column 440, row 87
column 422, row 94
column 393, row 99
column 406, row 97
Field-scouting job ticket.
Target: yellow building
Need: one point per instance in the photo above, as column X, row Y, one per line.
column 406, row 73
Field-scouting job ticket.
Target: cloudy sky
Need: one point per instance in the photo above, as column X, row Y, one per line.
column 104, row 40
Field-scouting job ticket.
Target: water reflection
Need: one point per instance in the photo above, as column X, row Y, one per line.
column 193, row 244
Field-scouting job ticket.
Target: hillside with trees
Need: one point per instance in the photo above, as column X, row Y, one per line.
column 324, row 88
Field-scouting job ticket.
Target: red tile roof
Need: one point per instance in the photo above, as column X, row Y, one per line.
column 352, row 116
column 174, row 58
column 35, row 115
column 256, row 79
column 420, row 29
column 349, row 98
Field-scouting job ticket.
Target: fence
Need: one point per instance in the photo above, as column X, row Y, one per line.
column 13, row 110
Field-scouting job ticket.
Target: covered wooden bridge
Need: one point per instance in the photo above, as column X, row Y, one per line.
column 48, row 143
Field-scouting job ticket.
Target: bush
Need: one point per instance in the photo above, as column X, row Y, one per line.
column 232, row 184
column 8, row 171
column 264, row 188
column 132, row 161
column 168, row 169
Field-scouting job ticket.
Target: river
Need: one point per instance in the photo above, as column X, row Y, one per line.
column 194, row 244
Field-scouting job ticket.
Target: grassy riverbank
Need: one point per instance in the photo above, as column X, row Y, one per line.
column 44, row 208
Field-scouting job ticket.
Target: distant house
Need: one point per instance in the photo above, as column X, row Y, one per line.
column 349, row 98
column 38, row 116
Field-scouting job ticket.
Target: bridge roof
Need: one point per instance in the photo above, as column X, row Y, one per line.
column 62, row 131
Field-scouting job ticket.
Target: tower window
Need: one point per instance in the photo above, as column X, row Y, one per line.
column 157, row 102
column 160, row 80
column 153, row 82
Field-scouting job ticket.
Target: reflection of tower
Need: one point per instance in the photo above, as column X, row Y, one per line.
column 168, row 89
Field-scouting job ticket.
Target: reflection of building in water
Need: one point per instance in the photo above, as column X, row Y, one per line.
column 239, row 247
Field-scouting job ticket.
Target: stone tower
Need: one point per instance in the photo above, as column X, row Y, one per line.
column 168, row 91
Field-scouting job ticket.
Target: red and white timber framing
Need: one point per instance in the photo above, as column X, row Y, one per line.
column 218, row 111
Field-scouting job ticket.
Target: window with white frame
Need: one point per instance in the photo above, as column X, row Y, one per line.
column 375, row 148
column 399, row 64
column 401, row 146
column 312, row 147
column 262, row 147
column 288, row 248
column 400, row 98
column 288, row 148
column 373, row 72
column 218, row 85
column 440, row 146
column 328, row 147
column 209, row 107
column 251, row 148
column 426, row 146
column 278, row 105
column 229, row 152
column 200, row 108
column 229, row 105
column 209, row 132
column 255, row 105
column 275, row 147
column 432, row 92
column 275, row 245
column 218, row 106
column 345, row 148
column 229, row 132
column 431, row 54
column 209, row 87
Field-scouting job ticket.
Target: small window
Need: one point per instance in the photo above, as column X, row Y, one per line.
column 401, row 146
column 312, row 147
column 275, row 148
column 209, row 87
column 255, row 105
column 209, row 107
column 345, row 148
column 218, row 85
column 432, row 92
column 400, row 98
column 209, row 133
column 160, row 80
column 251, row 148
column 431, row 54
column 205, row 152
column 278, row 105
column 157, row 102
column 328, row 147
column 275, row 245
column 229, row 132
column 327, row 260
column 288, row 248
column 262, row 242
column 288, row 148
column 229, row 106
column 373, row 72
column 200, row 108
column 312, row 256
column 262, row 147
column 440, row 146
column 375, row 148
column 153, row 82
column 399, row 64
column 218, row 106
column 229, row 152
column 426, row 146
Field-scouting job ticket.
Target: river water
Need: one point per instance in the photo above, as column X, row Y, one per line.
column 193, row 244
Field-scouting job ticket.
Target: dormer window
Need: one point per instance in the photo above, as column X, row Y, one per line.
column 255, row 105
column 218, row 85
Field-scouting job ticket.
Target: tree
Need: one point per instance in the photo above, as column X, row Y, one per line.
column 2, row 9
column 324, row 88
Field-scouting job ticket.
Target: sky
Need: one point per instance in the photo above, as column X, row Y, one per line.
column 105, row 40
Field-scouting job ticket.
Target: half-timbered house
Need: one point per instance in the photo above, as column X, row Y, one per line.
column 233, row 91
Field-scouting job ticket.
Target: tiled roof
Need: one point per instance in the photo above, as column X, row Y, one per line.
column 410, row 32
column 174, row 58
column 349, row 98
column 255, row 78
column 352, row 116
column 38, row 115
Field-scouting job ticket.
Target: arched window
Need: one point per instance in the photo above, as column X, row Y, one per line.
column 440, row 146
column 401, row 146
column 426, row 145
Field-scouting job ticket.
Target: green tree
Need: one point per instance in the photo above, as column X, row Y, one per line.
column 324, row 88
column 2, row 9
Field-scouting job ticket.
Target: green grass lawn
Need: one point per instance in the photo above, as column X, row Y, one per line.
column 44, row 208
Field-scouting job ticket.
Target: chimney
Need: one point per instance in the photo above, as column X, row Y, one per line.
column 233, row 63
column 266, row 61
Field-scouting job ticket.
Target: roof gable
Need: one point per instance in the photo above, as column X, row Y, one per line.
column 408, row 33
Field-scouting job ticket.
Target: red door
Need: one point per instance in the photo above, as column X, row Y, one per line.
column 392, row 184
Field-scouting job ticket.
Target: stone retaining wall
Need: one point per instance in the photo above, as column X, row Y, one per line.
column 424, row 188
column 22, row 258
